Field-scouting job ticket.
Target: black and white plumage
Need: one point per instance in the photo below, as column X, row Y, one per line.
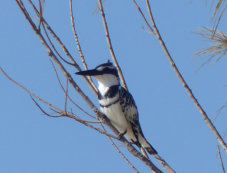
column 118, row 104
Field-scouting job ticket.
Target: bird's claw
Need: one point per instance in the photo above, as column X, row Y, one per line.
column 120, row 135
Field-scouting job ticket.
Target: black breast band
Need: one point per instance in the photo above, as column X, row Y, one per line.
column 112, row 91
column 108, row 105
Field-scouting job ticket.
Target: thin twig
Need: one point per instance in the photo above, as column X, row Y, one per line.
column 66, row 95
column 41, row 15
column 56, row 111
column 44, row 112
column 55, row 107
column 28, row 91
column 164, row 163
column 219, row 111
column 58, row 40
column 220, row 157
column 52, row 45
column 52, row 55
column 94, row 122
column 78, row 44
column 144, row 18
column 71, row 100
column 110, row 45
column 154, row 30
column 185, row 85
column 122, row 155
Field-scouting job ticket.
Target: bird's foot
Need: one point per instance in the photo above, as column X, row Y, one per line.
column 120, row 135
column 133, row 142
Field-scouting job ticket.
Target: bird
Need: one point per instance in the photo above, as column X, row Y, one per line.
column 118, row 105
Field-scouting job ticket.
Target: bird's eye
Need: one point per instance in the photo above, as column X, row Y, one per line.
column 105, row 69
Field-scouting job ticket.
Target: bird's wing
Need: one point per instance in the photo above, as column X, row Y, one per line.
column 131, row 113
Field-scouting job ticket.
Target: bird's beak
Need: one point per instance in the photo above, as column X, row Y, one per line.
column 88, row 72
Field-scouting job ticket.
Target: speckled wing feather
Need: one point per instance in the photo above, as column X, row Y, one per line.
column 130, row 110
column 127, row 104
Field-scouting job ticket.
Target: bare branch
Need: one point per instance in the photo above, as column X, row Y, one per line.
column 78, row 43
column 94, row 122
column 26, row 90
column 219, row 111
column 144, row 18
column 87, row 123
column 41, row 14
column 50, row 52
column 225, row 134
column 60, row 111
column 66, row 95
column 27, row 16
column 185, row 85
column 52, row 45
column 110, row 45
column 59, row 41
column 220, row 157
column 164, row 163
column 44, row 112
column 122, row 155
column 80, row 108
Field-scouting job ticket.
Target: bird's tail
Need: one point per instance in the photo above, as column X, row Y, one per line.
column 146, row 145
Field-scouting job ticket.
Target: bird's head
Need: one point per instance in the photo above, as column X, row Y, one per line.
column 106, row 74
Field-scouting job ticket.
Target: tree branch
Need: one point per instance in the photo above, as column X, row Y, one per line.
column 110, row 45
column 106, row 121
column 59, row 110
column 222, row 165
column 122, row 155
column 80, row 108
column 60, row 43
column 78, row 44
column 144, row 18
column 185, row 85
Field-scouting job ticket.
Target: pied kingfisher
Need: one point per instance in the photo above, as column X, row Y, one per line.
column 118, row 104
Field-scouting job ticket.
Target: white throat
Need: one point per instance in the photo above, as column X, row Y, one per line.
column 105, row 82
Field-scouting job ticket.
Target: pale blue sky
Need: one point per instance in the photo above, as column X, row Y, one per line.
column 34, row 143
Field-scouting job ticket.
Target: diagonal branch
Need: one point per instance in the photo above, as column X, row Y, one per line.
column 53, row 107
column 110, row 45
column 57, row 39
column 52, row 45
column 144, row 18
column 41, row 14
column 42, row 110
column 220, row 157
column 80, row 108
column 164, row 163
column 78, row 44
column 185, row 85
column 53, row 56
column 66, row 96
column 122, row 155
